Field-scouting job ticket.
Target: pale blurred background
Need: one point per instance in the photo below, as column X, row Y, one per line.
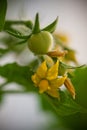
column 23, row 111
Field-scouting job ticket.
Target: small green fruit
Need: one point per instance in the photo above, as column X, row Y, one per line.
column 41, row 43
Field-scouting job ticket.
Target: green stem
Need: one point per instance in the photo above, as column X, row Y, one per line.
column 13, row 92
column 12, row 22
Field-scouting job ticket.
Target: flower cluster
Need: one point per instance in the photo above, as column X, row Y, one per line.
column 47, row 80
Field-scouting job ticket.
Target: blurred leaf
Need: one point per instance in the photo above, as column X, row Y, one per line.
column 36, row 28
column 79, row 80
column 13, row 48
column 66, row 106
column 3, row 8
column 78, row 121
column 3, row 51
column 19, row 74
column 16, row 33
column 51, row 27
column 19, row 29
column 12, row 44
column 1, row 97
column 9, row 23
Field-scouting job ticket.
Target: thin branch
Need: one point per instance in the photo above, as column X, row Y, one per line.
column 13, row 91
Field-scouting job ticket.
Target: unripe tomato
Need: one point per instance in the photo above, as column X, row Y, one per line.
column 41, row 43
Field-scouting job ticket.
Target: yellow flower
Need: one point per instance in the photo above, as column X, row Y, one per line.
column 47, row 80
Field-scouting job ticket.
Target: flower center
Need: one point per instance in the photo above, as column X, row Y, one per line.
column 43, row 86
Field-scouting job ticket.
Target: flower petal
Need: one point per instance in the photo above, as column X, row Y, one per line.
column 70, row 87
column 56, row 83
column 35, row 79
column 41, row 71
column 52, row 73
column 43, row 86
column 53, row 92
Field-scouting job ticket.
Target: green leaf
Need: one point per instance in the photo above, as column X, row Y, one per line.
column 1, row 97
column 65, row 107
column 29, row 24
column 19, row 74
column 78, row 121
column 51, row 27
column 3, row 8
column 79, row 81
column 16, row 33
column 9, row 23
column 36, row 28
column 12, row 45
column 3, row 51
column 21, row 42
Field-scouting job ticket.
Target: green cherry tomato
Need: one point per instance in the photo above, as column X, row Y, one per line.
column 41, row 43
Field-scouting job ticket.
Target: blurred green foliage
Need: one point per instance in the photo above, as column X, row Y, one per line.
column 3, row 9
column 78, row 120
